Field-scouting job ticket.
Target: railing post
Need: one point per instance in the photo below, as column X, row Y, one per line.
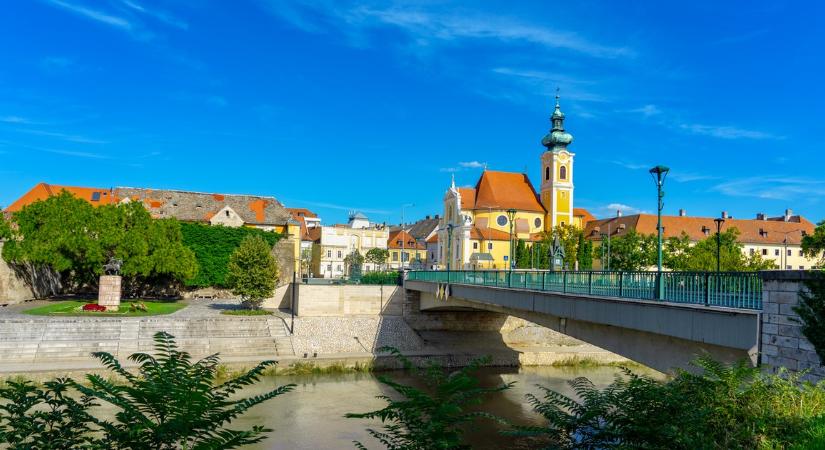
column 590, row 283
column 543, row 281
column 621, row 284
column 564, row 281
column 707, row 288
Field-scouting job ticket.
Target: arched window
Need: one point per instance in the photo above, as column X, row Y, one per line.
column 563, row 173
column 546, row 173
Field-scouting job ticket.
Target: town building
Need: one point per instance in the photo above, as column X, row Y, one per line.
column 336, row 242
column 405, row 251
column 480, row 222
column 310, row 225
column 778, row 239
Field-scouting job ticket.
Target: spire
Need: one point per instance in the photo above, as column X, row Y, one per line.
column 452, row 181
column 557, row 139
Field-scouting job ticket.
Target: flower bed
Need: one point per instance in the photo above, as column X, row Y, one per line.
column 94, row 307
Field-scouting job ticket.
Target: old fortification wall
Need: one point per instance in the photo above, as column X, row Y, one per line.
column 12, row 289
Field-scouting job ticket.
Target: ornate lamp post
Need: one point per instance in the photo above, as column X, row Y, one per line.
column 511, row 215
column 659, row 174
column 719, row 221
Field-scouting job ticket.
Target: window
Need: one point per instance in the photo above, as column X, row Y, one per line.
column 800, row 253
column 563, row 173
column 546, row 173
column 501, row 220
column 790, row 252
column 764, row 252
column 339, row 253
column 537, row 222
column 95, row 196
column 776, row 252
column 561, row 223
column 475, row 245
column 752, row 251
column 788, row 267
column 329, row 254
column 398, row 242
column 339, row 267
column 395, row 256
column 489, row 246
column 801, row 267
column 405, row 256
column 329, row 267
column 227, row 213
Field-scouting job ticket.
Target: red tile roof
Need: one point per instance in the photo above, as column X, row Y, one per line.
column 488, row 234
column 501, row 190
column 584, row 214
column 409, row 242
column 750, row 231
column 42, row 191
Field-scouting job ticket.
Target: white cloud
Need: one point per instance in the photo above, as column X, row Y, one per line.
column 631, row 165
column 726, row 132
column 773, row 188
column 647, row 110
column 93, row 14
column 64, row 136
column 15, row 120
column 341, row 207
column 74, row 153
column 612, row 208
column 162, row 16
column 472, row 164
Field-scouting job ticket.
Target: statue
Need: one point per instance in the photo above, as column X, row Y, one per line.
column 557, row 255
column 113, row 266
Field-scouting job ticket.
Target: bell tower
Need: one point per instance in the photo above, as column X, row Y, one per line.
column 557, row 172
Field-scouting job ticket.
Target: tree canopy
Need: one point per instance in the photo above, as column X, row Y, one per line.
column 632, row 251
column 813, row 245
column 377, row 256
column 75, row 239
column 253, row 272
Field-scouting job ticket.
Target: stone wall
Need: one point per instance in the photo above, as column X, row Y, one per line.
column 12, row 289
column 783, row 344
column 349, row 300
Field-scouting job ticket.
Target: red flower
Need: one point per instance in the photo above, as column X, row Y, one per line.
column 93, row 307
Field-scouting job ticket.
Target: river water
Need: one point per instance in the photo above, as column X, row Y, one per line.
column 312, row 416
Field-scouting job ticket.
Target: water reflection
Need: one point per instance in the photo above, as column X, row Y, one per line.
column 312, row 416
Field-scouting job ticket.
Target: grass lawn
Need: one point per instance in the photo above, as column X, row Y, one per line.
column 247, row 312
column 71, row 308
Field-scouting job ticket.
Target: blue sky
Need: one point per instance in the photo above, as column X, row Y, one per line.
column 370, row 105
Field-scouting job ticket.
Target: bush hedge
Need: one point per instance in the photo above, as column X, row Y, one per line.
column 213, row 245
column 380, row 278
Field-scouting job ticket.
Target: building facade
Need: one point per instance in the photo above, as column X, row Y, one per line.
column 777, row 239
column 481, row 222
column 335, row 243
column 405, row 251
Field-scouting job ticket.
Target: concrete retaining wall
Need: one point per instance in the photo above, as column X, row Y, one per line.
column 783, row 344
column 349, row 300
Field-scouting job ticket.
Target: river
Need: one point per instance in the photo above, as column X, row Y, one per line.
column 312, row 416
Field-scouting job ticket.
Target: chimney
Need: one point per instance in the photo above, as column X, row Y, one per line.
column 437, row 217
column 760, row 216
column 724, row 214
column 682, row 213
column 427, row 217
column 618, row 213
column 788, row 214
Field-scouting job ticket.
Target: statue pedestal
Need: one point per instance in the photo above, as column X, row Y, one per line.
column 109, row 292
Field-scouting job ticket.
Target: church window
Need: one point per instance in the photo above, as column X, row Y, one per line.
column 475, row 245
column 501, row 220
column 537, row 222
column 546, row 173
column 563, row 173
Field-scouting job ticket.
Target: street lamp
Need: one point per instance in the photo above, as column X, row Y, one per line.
column 511, row 215
column 449, row 227
column 659, row 174
column 719, row 221
column 402, row 231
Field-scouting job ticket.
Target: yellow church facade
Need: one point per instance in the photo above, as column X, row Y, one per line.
column 478, row 223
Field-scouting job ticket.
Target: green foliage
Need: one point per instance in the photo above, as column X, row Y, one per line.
column 433, row 417
column 701, row 257
column 354, row 262
column 584, row 253
column 5, row 228
column 523, row 260
column 172, row 403
column 387, row 278
column 73, row 308
column 632, row 251
column 213, row 245
column 252, row 272
column 378, row 256
column 811, row 311
column 75, row 239
column 722, row 407
column 48, row 418
column 813, row 245
column 676, row 252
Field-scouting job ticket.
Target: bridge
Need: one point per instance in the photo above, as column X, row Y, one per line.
column 623, row 312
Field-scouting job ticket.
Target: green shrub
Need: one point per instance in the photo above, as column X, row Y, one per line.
column 391, row 278
column 252, row 272
column 213, row 245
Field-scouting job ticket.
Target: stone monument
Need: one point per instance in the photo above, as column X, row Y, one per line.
column 108, row 294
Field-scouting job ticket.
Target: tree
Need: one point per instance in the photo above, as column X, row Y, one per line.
column 632, row 251
column 175, row 403
column 813, row 245
column 522, row 255
column 74, row 239
column 5, row 229
column 434, row 416
column 811, row 311
column 354, row 261
column 252, row 272
column 584, row 253
column 378, row 256
column 702, row 256
column 676, row 252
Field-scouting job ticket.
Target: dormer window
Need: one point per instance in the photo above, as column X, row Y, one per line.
column 95, row 196
column 227, row 213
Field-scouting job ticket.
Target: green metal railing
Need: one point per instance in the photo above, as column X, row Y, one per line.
column 726, row 289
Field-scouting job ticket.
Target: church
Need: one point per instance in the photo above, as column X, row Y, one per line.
column 481, row 222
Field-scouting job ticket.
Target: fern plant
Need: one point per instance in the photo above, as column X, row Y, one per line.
column 432, row 417
column 174, row 403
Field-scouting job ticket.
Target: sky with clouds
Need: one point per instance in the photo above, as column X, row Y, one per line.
column 360, row 105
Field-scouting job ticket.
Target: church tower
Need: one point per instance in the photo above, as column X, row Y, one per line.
column 557, row 173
